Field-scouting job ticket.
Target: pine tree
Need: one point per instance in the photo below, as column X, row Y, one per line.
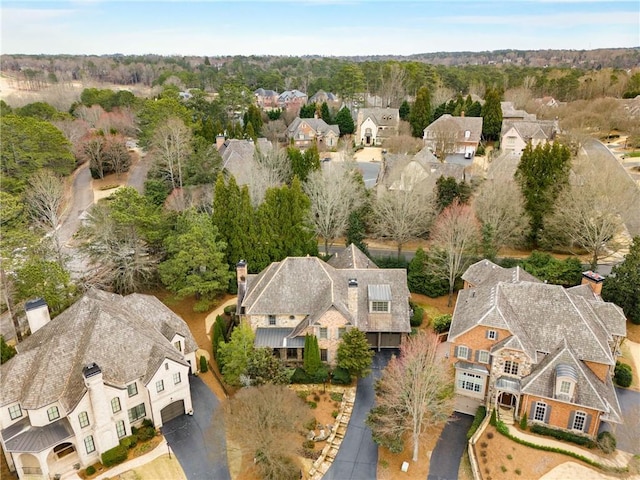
column 623, row 286
column 345, row 121
column 405, row 110
column 311, row 360
column 420, row 115
column 354, row 353
column 492, row 115
column 325, row 114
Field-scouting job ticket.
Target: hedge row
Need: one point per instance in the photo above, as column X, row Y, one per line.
column 117, row 454
column 481, row 413
column 562, row 435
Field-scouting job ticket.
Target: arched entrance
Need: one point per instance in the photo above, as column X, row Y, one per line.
column 507, row 399
column 62, row 458
column 368, row 136
column 62, row 450
column 30, row 464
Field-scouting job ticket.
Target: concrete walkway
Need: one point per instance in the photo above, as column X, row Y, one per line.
column 211, row 318
column 619, row 459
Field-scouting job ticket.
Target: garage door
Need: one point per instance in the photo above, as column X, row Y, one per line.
column 172, row 411
column 466, row 404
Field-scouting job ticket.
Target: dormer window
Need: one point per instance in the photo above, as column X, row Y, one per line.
column 379, row 298
column 566, row 379
column 53, row 413
column 15, row 411
column 178, row 345
column 492, row 335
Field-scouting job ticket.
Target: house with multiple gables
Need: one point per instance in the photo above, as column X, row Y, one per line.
column 517, row 134
column 453, row 135
column 418, row 172
column 292, row 100
column 266, row 99
column 522, row 346
column 301, row 295
column 374, row 125
column 329, row 98
column 81, row 381
column 238, row 156
column 305, row 132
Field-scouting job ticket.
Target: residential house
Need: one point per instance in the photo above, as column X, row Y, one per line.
column 238, row 156
column 418, row 172
column 526, row 347
column 517, row 134
column 329, row 98
column 509, row 112
column 292, row 100
column 83, row 380
column 301, row 295
column 449, row 135
column 305, row 132
column 375, row 125
column 266, row 99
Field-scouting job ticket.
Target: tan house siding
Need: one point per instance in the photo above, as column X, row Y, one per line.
column 332, row 320
column 284, row 321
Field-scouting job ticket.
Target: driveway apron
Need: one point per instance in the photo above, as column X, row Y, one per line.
column 445, row 458
column 198, row 440
column 357, row 457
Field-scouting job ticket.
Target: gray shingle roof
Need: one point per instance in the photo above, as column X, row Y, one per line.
column 384, row 117
column 458, row 124
column 531, row 129
column 317, row 124
column 238, row 157
column 485, row 271
column 128, row 337
column 351, row 257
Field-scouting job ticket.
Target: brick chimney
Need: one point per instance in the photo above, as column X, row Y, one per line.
column 352, row 297
column 37, row 312
column 219, row 141
column 594, row 280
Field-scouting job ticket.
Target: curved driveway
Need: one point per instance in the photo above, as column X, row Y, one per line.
column 357, row 458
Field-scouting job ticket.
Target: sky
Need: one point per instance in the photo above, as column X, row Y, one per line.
column 314, row 27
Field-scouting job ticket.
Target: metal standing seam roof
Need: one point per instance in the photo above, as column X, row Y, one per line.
column 379, row 293
column 508, row 384
column 37, row 439
column 277, row 338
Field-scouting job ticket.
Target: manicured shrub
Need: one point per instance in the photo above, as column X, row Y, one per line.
column 90, row 470
column 129, row 442
column 147, row 422
column 204, row 368
column 623, row 375
column 341, row 377
column 312, row 404
column 607, row 442
column 230, row 309
column 335, row 414
column 481, row 412
column 117, row 454
column 336, row 396
column 146, row 433
column 493, row 419
column 416, row 317
column 441, row 323
column 308, row 444
column 562, row 435
column 523, row 422
column 321, row 375
column 300, row 376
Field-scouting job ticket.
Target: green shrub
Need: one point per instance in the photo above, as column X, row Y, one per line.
column 147, row 422
column 335, row 414
column 336, row 396
column 312, row 404
column 117, row 454
column 523, row 422
column 441, row 323
column 607, row 442
column 303, row 394
column 562, row 435
column 129, row 442
column 311, row 424
column 300, row 376
column 493, row 419
column 146, row 433
column 90, row 470
column 204, row 368
column 481, row 413
column 416, row 317
column 501, row 427
column 308, row 444
column 623, row 375
column 341, row 377
column 230, row 309
column 134, row 430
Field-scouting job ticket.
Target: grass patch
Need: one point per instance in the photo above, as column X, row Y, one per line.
column 632, row 154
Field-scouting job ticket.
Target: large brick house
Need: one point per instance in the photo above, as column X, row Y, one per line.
column 83, row 380
column 305, row 132
column 301, row 295
column 449, row 135
column 523, row 346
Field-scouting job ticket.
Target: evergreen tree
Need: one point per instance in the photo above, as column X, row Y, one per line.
column 542, row 174
column 253, row 116
column 325, row 114
column 250, row 132
column 622, row 287
column 311, row 359
column 6, row 351
column 492, row 114
column 234, row 354
column 356, row 233
column 405, row 110
column 307, row 111
column 447, row 190
column 420, row 116
column 218, row 337
column 345, row 121
column 354, row 353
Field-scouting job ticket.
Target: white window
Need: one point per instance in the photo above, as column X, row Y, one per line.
column 53, row 413
column 324, row 357
column 115, row 405
column 323, row 332
column 492, row 334
column 380, row 307
column 511, row 367
column 579, row 421
column 160, row 386
column 120, row 429
column 540, row 411
column 83, row 419
column 272, row 319
column 565, row 387
column 176, row 378
column 132, row 389
column 470, row 381
column 136, row 413
column 483, row 356
column 89, row 445
column 15, row 411
column 463, row 352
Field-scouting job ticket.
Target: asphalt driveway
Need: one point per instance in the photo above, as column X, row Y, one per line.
column 628, row 433
column 357, row 457
column 198, row 441
column 445, row 458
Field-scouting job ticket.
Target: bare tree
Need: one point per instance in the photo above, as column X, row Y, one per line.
column 440, row 95
column 499, row 207
column 271, row 168
column 261, row 420
column 334, row 193
column 45, row 199
column 402, row 215
column 392, row 88
column 171, row 146
column 454, row 239
column 589, row 214
column 274, row 130
column 116, row 156
column 445, row 139
column 414, row 392
column 91, row 115
column 73, row 130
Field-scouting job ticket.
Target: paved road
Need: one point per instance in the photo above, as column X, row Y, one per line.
column 445, row 459
column 198, row 441
column 357, row 457
column 628, row 434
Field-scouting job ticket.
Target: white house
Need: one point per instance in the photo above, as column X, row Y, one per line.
column 374, row 125
column 81, row 382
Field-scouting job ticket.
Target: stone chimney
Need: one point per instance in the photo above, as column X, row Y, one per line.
column 105, row 438
column 37, row 314
column 241, row 277
column 219, row 141
column 352, row 297
column 594, row 280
